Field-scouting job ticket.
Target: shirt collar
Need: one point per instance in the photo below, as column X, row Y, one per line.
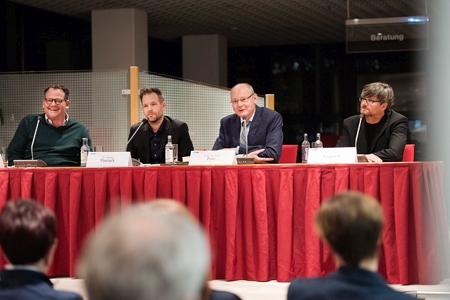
column 22, row 267
column 51, row 123
column 249, row 120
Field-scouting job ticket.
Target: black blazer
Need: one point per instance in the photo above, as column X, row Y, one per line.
column 345, row 283
column 388, row 143
column 24, row 284
column 139, row 146
column 266, row 132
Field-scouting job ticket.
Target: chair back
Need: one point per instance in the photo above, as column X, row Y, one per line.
column 408, row 152
column 288, row 154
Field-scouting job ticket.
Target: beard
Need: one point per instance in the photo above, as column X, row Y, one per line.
column 155, row 119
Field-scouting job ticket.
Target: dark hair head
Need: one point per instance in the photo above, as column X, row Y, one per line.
column 383, row 91
column 58, row 87
column 351, row 223
column 150, row 90
column 27, row 231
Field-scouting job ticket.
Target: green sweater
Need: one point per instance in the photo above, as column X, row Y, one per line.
column 57, row 146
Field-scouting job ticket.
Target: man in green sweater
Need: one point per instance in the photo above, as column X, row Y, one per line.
column 58, row 139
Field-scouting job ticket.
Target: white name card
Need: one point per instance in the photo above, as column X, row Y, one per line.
column 215, row 157
column 338, row 155
column 109, row 159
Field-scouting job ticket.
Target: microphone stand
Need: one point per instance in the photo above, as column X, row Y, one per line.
column 142, row 123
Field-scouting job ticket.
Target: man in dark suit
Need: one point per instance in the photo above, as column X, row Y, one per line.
column 148, row 145
column 28, row 240
column 383, row 132
column 351, row 223
column 264, row 131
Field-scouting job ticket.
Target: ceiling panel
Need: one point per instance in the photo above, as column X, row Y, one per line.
column 245, row 23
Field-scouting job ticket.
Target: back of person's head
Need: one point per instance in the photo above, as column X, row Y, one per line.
column 167, row 206
column 351, row 223
column 141, row 254
column 27, row 231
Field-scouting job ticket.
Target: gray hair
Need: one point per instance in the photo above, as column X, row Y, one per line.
column 143, row 254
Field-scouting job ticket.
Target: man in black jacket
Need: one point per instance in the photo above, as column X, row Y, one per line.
column 379, row 132
column 351, row 223
column 28, row 240
column 148, row 145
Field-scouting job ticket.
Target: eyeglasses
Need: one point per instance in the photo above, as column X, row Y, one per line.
column 244, row 101
column 57, row 101
column 370, row 102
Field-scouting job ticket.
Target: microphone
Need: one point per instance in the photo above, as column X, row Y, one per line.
column 34, row 136
column 359, row 127
column 33, row 162
column 144, row 120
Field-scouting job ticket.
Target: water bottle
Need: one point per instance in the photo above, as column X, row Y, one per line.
column 305, row 148
column 169, row 151
column 84, row 151
column 318, row 143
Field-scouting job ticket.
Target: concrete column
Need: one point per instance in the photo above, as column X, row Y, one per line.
column 119, row 39
column 205, row 59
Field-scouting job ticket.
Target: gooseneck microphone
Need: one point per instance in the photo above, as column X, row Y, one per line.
column 361, row 116
column 144, row 120
column 34, row 136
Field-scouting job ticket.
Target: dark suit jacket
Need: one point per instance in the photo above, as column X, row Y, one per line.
column 388, row 143
column 345, row 283
column 139, row 146
column 266, row 132
column 221, row 295
column 30, row 285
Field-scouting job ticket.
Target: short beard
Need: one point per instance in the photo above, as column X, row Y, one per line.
column 156, row 121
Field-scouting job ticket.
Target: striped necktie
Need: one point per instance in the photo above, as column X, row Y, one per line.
column 244, row 133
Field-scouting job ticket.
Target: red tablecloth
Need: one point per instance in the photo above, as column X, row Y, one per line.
column 259, row 218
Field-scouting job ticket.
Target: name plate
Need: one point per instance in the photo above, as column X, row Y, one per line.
column 338, row 155
column 109, row 159
column 215, row 157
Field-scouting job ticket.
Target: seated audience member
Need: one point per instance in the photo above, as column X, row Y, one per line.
column 168, row 206
column 58, row 138
column 142, row 255
column 28, row 240
column 383, row 132
column 351, row 224
column 264, row 132
column 148, row 144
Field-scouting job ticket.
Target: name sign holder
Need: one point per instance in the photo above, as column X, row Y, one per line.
column 109, row 159
column 220, row 157
column 338, row 155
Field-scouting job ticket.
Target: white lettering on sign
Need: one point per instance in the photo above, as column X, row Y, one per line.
column 386, row 37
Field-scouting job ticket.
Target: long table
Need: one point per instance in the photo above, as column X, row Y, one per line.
column 258, row 217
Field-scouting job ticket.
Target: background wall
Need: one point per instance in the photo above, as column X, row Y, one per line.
column 97, row 101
